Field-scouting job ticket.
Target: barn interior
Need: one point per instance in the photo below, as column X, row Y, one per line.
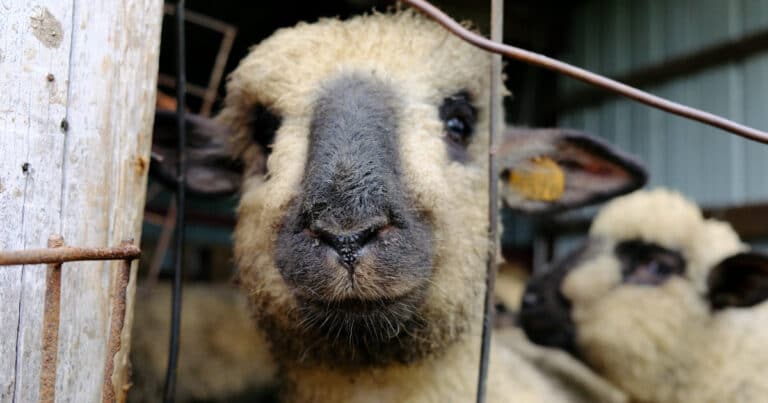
column 656, row 46
column 652, row 45
column 220, row 34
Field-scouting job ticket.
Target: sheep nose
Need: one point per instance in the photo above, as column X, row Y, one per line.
column 530, row 299
column 347, row 244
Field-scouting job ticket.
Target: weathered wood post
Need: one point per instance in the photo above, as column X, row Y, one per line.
column 77, row 95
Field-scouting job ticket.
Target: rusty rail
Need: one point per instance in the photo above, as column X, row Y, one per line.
column 119, row 296
column 51, row 326
column 55, row 255
column 68, row 254
column 229, row 32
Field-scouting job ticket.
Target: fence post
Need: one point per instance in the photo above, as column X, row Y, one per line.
column 77, row 79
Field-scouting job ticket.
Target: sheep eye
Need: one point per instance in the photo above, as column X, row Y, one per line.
column 263, row 124
column 648, row 264
column 457, row 128
column 459, row 118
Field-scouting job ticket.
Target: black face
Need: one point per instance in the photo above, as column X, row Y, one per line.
column 459, row 117
column 263, row 125
column 352, row 247
column 546, row 312
column 739, row 281
column 647, row 263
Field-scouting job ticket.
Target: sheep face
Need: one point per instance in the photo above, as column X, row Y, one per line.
column 653, row 247
column 362, row 228
column 643, row 291
column 371, row 185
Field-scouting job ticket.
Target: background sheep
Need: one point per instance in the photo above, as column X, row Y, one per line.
column 225, row 357
column 362, row 240
column 662, row 302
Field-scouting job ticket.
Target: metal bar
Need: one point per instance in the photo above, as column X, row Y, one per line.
column 67, row 254
column 200, row 19
column 218, row 71
column 540, row 253
column 192, row 89
column 497, row 31
column 228, row 31
column 587, row 76
column 729, row 51
column 50, row 345
column 161, row 248
column 119, row 297
column 169, row 392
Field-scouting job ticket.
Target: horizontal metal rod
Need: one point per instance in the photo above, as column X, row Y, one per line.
column 68, row 254
column 192, row 89
column 733, row 50
column 587, row 76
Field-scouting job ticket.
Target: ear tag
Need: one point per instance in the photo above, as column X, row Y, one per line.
column 539, row 179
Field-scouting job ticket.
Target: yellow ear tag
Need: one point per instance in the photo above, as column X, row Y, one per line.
column 540, row 179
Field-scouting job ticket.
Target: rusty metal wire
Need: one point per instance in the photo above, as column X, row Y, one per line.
column 51, row 321
column 587, row 76
column 228, row 33
column 169, row 390
column 54, row 256
column 68, row 254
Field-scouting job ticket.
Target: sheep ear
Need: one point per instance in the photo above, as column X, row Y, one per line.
column 210, row 169
column 740, row 280
column 549, row 170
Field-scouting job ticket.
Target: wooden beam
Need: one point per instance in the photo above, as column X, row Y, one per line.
column 750, row 221
column 78, row 82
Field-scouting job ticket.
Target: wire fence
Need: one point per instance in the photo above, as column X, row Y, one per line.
column 57, row 253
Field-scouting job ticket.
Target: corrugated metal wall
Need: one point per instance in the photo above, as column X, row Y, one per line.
column 614, row 37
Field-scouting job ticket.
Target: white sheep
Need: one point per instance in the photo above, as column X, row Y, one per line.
column 362, row 238
column 664, row 303
column 225, row 357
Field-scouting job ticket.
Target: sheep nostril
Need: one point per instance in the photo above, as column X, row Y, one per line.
column 530, row 299
column 346, row 244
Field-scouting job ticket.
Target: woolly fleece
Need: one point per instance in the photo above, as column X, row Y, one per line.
column 663, row 343
column 423, row 64
column 224, row 355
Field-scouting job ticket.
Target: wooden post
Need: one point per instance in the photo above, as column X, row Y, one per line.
column 77, row 95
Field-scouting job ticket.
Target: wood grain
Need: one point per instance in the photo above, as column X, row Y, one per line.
column 77, row 80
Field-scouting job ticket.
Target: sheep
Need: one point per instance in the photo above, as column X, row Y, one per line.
column 508, row 291
column 225, row 358
column 361, row 236
column 664, row 303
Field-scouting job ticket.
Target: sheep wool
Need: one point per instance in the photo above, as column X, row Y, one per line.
column 663, row 343
column 667, row 218
column 225, row 356
column 279, row 74
column 413, row 65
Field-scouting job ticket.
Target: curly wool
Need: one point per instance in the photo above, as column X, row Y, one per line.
column 224, row 355
column 423, row 64
column 663, row 343
column 667, row 218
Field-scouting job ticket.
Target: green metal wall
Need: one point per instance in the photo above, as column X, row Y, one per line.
column 614, row 37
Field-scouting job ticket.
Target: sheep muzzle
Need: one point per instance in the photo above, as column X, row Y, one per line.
column 352, row 246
